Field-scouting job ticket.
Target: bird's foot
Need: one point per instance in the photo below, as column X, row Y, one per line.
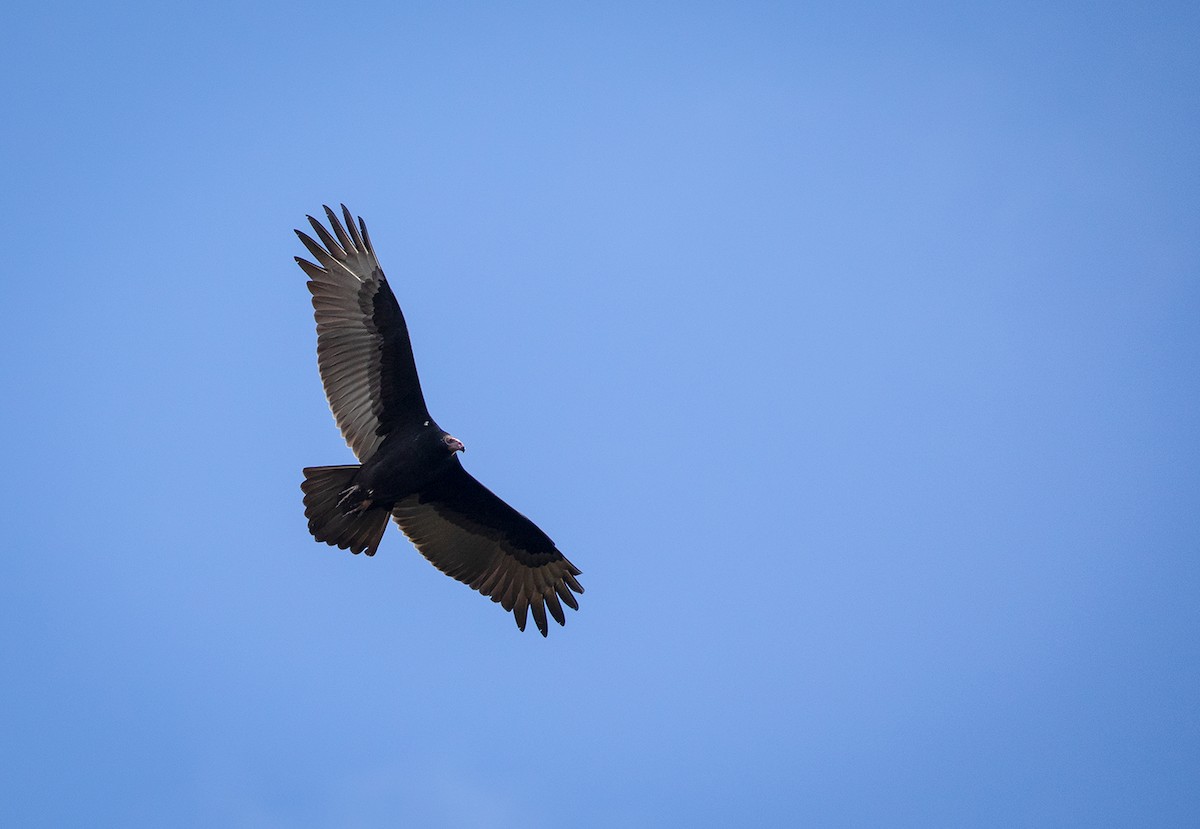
column 355, row 499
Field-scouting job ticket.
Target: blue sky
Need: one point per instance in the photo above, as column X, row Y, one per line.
column 851, row 351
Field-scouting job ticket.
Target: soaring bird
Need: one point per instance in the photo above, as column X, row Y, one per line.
column 409, row 469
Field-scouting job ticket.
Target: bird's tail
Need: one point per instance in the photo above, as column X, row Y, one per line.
column 335, row 515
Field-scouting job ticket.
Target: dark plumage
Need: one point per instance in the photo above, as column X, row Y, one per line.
column 410, row 468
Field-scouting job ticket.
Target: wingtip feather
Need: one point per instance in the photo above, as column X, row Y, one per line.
column 336, row 225
column 520, row 613
column 539, row 616
column 350, row 226
column 555, row 609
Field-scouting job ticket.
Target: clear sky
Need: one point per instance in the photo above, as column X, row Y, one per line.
column 851, row 350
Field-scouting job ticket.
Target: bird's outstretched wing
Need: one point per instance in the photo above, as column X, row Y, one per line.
column 363, row 349
column 469, row 533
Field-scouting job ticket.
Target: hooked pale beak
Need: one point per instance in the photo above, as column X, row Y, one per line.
column 455, row 444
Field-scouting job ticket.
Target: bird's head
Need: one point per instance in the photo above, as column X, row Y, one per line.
column 453, row 444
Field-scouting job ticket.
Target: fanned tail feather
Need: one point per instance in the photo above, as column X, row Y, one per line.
column 330, row 521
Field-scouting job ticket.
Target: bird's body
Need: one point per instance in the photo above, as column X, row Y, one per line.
column 404, row 463
column 410, row 469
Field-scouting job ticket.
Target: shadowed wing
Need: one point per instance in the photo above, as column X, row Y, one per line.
column 363, row 349
column 469, row 533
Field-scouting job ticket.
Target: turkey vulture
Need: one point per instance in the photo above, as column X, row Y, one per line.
column 410, row 468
